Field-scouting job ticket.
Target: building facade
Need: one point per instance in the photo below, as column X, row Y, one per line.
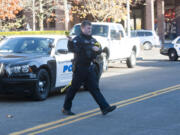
column 160, row 15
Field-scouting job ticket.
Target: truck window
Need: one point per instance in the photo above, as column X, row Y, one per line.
column 115, row 35
column 121, row 33
column 97, row 30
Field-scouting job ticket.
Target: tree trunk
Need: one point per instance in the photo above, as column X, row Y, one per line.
column 34, row 16
column 41, row 17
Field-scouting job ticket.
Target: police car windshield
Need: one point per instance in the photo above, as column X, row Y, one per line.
column 26, row 45
column 97, row 30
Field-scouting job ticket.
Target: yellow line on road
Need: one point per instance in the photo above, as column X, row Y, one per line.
column 63, row 124
column 91, row 111
column 97, row 113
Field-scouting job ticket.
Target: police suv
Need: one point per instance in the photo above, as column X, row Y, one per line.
column 34, row 65
column 172, row 49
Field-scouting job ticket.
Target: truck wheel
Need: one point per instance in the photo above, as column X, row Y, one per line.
column 42, row 86
column 147, row 46
column 105, row 62
column 131, row 61
column 173, row 55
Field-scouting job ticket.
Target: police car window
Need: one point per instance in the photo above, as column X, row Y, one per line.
column 62, row 44
column 27, row 45
column 8, row 45
column 178, row 42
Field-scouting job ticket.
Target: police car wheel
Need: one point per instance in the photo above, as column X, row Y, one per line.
column 173, row 55
column 131, row 61
column 42, row 86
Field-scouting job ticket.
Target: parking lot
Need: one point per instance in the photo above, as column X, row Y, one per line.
column 147, row 98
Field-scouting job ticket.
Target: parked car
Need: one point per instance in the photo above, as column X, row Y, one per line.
column 35, row 65
column 147, row 38
column 172, row 49
column 115, row 44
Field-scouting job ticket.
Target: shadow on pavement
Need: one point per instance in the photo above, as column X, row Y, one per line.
column 163, row 63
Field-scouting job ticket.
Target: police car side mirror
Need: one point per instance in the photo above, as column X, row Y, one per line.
column 62, row 51
column 51, row 45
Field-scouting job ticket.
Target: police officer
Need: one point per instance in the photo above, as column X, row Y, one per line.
column 85, row 51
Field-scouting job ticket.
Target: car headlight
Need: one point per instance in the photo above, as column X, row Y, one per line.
column 16, row 69
column 25, row 68
column 19, row 69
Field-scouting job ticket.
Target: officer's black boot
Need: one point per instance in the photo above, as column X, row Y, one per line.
column 67, row 112
column 108, row 110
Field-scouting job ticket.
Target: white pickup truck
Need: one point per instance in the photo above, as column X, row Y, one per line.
column 115, row 44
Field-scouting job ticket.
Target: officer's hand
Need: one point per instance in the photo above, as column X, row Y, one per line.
column 95, row 48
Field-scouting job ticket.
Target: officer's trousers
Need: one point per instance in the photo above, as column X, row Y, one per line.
column 85, row 75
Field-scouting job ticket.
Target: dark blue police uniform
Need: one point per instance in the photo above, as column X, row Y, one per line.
column 81, row 46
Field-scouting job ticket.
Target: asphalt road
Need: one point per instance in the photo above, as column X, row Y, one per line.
column 147, row 98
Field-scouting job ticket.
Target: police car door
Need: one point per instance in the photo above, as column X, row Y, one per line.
column 63, row 63
column 177, row 46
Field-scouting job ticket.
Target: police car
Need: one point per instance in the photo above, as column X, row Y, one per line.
column 172, row 49
column 34, row 65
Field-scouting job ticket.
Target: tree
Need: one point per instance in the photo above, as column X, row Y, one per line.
column 41, row 10
column 101, row 10
column 9, row 10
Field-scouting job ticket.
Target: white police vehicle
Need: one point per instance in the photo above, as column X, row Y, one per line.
column 34, row 65
column 172, row 49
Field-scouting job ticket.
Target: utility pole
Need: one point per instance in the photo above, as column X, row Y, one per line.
column 128, row 18
column 66, row 12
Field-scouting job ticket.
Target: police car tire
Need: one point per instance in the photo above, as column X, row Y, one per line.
column 131, row 61
column 173, row 55
column 42, row 92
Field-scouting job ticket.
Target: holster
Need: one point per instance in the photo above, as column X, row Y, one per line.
column 73, row 65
